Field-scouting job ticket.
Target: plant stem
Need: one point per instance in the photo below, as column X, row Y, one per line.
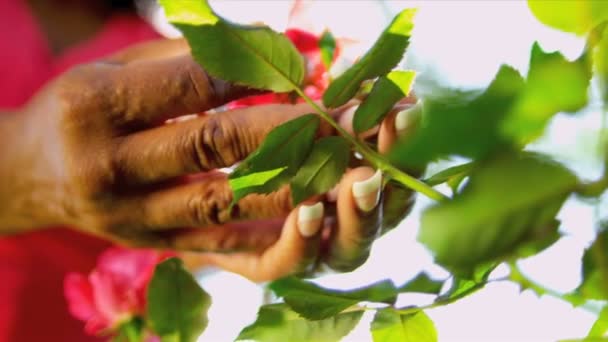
column 375, row 158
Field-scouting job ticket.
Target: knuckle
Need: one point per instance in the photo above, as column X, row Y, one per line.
column 210, row 205
column 83, row 97
column 82, row 88
column 215, row 144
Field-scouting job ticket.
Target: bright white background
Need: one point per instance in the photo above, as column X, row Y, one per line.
column 464, row 42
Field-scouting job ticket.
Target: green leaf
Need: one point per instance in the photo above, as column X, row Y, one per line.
column 391, row 326
column 130, row 331
column 387, row 91
column 284, row 148
column 314, row 302
column 466, row 284
column 254, row 56
column 322, row 169
column 327, row 45
column 449, row 173
column 595, row 269
column 276, row 323
column 177, row 306
column 384, row 55
column 509, row 202
column 422, row 283
column 600, row 326
column 255, row 179
column 570, row 16
column 468, row 123
column 553, row 85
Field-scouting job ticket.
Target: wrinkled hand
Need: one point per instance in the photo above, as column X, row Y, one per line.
column 92, row 150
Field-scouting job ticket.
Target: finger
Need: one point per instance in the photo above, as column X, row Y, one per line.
column 147, row 92
column 157, row 49
column 237, row 236
column 205, row 203
column 346, row 121
column 359, row 219
column 296, row 248
column 401, row 122
column 201, row 144
column 250, row 236
column 397, row 203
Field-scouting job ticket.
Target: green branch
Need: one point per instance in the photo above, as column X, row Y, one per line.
column 376, row 159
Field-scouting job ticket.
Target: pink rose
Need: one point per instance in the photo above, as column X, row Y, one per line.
column 115, row 291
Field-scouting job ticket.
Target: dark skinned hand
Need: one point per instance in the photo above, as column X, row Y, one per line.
column 93, row 150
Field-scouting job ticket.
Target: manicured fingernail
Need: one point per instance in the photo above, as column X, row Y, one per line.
column 406, row 119
column 310, row 218
column 346, row 119
column 403, row 120
column 367, row 192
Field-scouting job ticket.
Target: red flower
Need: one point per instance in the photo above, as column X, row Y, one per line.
column 115, row 291
column 317, row 76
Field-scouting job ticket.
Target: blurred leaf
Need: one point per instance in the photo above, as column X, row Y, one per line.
column 384, row 55
column 553, row 85
column 595, row 269
column 598, row 40
column 276, row 323
column 130, row 331
column 600, row 326
column 177, row 305
column 468, row 124
column 525, row 283
column 391, row 326
column 449, row 173
column 466, row 284
column 422, row 283
column 327, row 45
column 285, row 147
column 508, row 203
column 254, row 56
column 314, row 302
column 387, row 91
column 322, row 169
column 570, row 16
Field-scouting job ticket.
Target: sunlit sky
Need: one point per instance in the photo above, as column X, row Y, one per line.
column 464, row 42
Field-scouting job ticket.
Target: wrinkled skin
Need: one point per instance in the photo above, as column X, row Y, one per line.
column 93, row 150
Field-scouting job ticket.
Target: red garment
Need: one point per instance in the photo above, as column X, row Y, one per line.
column 33, row 265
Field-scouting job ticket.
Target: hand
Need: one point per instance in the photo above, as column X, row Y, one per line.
column 344, row 238
column 91, row 151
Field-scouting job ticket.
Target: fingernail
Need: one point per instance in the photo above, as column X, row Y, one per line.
column 346, row 119
column 367, row 192
column 406, row 119
column 403, row 120
column 310, row 218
